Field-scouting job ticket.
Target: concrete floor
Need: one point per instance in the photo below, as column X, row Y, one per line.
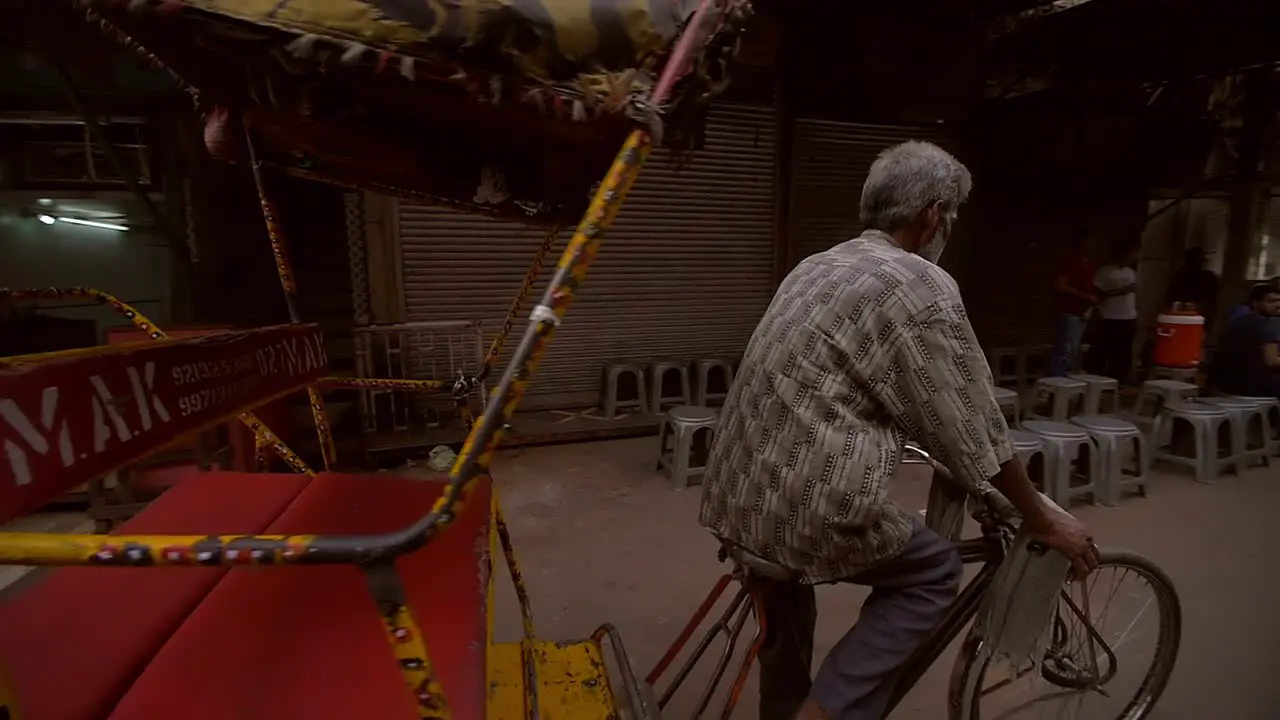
column 601, row 538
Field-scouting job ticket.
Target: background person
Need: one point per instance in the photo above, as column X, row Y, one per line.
column 1246, row 307
column 1073, row 297
column 1117, row 288
column 1247, row 361
column 1195, row 284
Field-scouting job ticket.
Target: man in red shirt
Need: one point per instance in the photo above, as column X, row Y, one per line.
column 1073, row 296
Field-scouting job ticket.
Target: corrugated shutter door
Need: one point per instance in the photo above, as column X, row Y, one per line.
column 686, row 271
column 829, row 164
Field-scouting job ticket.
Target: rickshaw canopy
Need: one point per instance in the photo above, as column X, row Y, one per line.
column 508, row 108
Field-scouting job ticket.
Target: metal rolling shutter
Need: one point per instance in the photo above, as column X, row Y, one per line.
column 685, row 272
column 829, row 164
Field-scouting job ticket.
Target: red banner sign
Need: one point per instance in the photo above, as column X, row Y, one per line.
column 67, row 421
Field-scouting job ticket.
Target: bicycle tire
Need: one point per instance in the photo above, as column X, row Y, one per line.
column 971, row 665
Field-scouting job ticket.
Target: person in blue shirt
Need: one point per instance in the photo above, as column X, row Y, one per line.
column 1248, row 359
column 1245, row 308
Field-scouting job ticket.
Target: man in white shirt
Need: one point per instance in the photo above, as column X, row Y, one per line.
column 1117, row 284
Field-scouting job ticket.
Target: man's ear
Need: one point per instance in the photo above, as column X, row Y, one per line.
column 932, row 217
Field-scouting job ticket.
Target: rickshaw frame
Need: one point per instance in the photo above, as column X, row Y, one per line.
column 376, row 553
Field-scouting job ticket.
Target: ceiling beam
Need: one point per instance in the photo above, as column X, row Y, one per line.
column 1006, row 24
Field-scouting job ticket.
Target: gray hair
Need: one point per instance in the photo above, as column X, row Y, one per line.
column 906, row 179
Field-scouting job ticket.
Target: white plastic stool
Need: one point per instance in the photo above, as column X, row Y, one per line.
column 1114, row 437
column 1060, row 394
column 1030, row 450
column 1270, row 418
column 612, row 401
column 1006, row 367
column 1206, row 423
column 1099, row 389
column 678, row 442
column 1156, row 394
column 1063, row 444
column 659, row 372
column 704, row 371
column 1244, row 413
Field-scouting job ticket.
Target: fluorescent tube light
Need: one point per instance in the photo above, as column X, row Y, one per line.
column 92, row 223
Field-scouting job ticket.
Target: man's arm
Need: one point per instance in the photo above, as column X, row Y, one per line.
column 1115, row 292
column 1063, row 285
column 943, row 396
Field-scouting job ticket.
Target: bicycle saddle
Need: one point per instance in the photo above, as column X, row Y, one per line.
column 754, row 565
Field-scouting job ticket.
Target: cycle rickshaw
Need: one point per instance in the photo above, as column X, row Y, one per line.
column 319, row 594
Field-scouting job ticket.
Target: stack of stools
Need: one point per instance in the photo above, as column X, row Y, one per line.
column 665, row 374
column 1101, row 394
column 1116, row 441
column 1206, row 423
column 615, row 372
column 704, row 372
column 1270, row 418
column 1246, row 415
column 684, row 440
column 1065, row 445
column 1008, row 401
column 1062, row 395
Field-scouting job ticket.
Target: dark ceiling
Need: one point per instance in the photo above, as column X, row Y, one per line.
column 941, row 58
column 1126, row 41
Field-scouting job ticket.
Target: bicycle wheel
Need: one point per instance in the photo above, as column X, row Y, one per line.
column 1087, row 675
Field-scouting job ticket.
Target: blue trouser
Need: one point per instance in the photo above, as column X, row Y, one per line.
column 1067, row 333
column 910, row 594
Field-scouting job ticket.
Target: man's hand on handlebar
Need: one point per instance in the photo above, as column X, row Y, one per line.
column 1061, row 531
column 1047, row 523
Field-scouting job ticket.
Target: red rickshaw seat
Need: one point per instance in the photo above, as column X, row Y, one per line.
column 72, row 644
column 300, row 642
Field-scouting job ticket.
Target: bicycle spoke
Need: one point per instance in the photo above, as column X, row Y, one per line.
column 1083, row 676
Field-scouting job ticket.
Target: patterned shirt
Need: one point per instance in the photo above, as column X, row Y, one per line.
column 863, row 347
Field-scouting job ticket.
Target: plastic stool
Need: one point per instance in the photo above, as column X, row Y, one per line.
column 1097, row 390
column 703, row 370
column 1034, row 361
column 1030, row 450
column 614, row 372
column 1270, row 418
column 1009, row 403
column 1063, row 444
column 1181, row 374
column 1111, row 436
column 1156, row 394
column 1061, row 393
column 1206, row 423
column 678, row 442
column 659, row 371
column 1006, row 366
column 1243, row 414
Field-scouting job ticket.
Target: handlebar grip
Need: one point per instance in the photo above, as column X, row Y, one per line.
column 998, row 503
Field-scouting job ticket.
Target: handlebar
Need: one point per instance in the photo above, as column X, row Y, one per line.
column 992, row 498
